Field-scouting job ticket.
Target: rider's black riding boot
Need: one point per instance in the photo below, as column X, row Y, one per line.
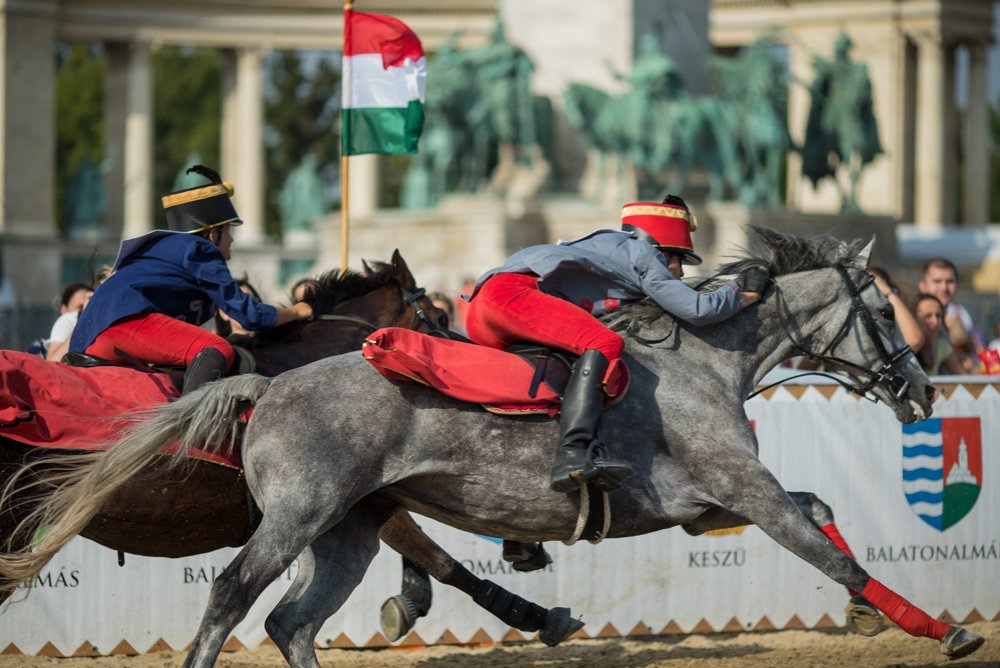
column 208, row 365
column 580, row 458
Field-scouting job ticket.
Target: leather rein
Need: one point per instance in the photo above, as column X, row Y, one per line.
column 410, row 299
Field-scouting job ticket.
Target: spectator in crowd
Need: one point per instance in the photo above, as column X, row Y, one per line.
column 58, row 348
column 940, row 278
column 445, row 303
column 302, row 287
column 907, row 324
column 74, row 298
column 937, row 351
column 226, row 326
column 995, row 343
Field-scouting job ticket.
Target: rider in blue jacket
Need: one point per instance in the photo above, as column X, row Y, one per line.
column 169, row 282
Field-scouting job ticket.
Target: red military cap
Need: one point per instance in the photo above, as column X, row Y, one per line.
column 667, row 227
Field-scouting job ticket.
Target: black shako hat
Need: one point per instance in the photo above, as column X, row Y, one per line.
column 201, row 208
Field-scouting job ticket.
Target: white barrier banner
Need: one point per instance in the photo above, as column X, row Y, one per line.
column 917, row 504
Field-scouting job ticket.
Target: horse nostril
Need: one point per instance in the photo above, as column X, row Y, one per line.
column 932, row 394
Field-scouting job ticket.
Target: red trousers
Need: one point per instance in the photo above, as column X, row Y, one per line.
column 157, row 339
column 509, row 308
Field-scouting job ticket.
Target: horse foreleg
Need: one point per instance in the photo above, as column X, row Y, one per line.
column 863, row 618
column 402, row 534
column 744, row 486
column 329, row 569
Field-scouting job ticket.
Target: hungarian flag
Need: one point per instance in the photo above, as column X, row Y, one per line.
column 385, row 74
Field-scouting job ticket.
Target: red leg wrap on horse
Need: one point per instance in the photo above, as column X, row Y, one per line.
column 909, row 617
column 830, row 531
column 833, row 533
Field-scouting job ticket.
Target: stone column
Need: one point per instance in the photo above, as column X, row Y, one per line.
column 138, row 162
column 28, row 118
column 977, row 141
column 932, row 102
column 243, row 140
column 116, row 59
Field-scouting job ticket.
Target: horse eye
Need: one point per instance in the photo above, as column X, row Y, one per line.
column 888, row 312
column 443, row 321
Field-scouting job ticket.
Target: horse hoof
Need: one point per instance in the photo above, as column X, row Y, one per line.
column 559, row 625
column 525, row 557
column 863, row 618
column 397, row 617
column 959, row 642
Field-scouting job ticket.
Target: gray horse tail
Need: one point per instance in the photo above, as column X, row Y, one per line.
column 208, row 419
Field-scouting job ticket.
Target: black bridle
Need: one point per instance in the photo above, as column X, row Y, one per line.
column 887, row 375
column 410, row 299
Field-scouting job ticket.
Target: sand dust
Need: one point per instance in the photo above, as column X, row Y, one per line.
column 780, row 649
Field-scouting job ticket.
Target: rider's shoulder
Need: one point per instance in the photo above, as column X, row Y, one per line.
column 603, row 234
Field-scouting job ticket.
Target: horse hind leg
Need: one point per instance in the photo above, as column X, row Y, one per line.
column 270, row 551
column 402, row 534
column 400, row 613
column 863, row 617
column 329, row 569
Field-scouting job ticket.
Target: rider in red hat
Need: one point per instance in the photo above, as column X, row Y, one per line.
column 550, row 294
column 168, row 282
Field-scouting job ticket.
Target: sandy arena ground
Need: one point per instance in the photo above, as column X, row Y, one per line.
column 781, row 649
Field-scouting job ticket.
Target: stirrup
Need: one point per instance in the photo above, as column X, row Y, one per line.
column 608, row 473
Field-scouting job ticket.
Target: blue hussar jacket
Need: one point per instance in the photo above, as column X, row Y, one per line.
column 607, row 268
column 180, row 275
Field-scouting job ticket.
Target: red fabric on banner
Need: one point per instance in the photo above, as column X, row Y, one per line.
column 52, row 405
column 494, row 378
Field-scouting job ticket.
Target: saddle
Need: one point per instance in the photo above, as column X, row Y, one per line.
column 552, row 366
column 245, row 363
column 523, row 380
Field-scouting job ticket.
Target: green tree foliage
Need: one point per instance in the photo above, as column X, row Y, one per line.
column 187, row 98
column 302, row 115
column 79, row 113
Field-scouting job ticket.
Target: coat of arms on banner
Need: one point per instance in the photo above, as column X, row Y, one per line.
column 942, row 468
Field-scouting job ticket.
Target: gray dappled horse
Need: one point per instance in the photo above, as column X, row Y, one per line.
column 333, row 449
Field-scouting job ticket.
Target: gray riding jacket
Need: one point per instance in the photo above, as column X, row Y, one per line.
column 607, row 268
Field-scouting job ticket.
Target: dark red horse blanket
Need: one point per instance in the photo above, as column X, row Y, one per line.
column 498, row 380
column 48, row 404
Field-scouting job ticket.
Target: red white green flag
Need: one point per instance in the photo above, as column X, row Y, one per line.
column 385, row 75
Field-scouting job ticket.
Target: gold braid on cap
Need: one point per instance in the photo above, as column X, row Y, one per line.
column 663, row 210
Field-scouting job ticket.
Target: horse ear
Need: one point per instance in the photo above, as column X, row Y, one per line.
column 366, row 268
column 860, row 262
column 402, row 271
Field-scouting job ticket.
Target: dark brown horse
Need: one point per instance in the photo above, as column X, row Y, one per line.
column 205, row 506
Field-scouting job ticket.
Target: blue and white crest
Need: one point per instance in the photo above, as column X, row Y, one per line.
column 942, row 468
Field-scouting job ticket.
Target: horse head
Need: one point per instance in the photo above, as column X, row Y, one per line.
column 347, row 307
column 871, row 350
column 829, row 309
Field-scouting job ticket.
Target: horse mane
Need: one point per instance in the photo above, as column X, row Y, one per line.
column 331, row 289
column 778, row 252
column 335, row 287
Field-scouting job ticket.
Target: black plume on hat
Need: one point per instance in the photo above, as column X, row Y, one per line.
column 207, row 172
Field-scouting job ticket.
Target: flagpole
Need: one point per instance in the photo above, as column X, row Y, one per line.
column 344, row 162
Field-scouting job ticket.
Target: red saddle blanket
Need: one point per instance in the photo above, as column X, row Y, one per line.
column 48, row 404
column 498, row 380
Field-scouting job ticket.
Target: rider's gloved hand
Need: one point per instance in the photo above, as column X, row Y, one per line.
column 754, row 279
